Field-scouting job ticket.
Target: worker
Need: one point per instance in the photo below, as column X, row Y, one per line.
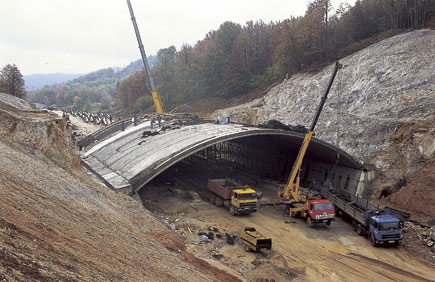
column 134, row 120
column 313, row 185
column 327, row 185
column 159, row 119
column 122, row 125
column 152, row 123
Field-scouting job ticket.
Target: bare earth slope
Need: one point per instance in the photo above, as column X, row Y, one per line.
column 380, row 110
column 57, row 224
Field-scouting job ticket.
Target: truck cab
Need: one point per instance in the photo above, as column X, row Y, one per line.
column 384, row 228
column 320, row 211
column 243, row 201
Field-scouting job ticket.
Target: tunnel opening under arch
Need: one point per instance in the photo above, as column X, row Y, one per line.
column 252, row 160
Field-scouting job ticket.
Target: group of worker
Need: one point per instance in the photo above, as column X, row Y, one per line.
column 152, row 121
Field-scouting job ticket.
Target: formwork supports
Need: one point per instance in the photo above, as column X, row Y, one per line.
column 262, row 158
column 246, row 155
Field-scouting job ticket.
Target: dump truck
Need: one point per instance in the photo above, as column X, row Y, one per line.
column 254, row 241
column 380, row 226
column 239, row 199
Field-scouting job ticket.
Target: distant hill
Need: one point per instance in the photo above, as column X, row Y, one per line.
column 95, row 78
column 38, row 81
column 93, row 91
column 109, row 76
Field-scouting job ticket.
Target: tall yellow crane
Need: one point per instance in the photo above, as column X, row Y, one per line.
column 291, row 193
column 154, row 89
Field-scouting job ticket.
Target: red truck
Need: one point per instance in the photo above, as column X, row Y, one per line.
column 315, row 211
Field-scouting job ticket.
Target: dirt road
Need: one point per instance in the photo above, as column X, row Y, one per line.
column 83, row 127
column 300, row 253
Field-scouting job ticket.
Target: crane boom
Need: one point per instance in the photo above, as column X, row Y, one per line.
column 292, row 188
column 154, row 89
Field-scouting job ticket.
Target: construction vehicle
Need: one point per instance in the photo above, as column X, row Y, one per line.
column 305, row 204
column 154, row 89
column 381, row 226
column 254, row 241
column 237, row 198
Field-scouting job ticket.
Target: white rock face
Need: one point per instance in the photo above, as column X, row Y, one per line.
column 378, row 90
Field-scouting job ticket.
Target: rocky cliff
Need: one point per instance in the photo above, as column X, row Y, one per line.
column 381, row 107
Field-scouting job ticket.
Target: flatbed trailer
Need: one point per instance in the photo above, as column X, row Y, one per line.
column 379, row 225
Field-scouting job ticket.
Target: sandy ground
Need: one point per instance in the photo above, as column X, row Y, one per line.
column 300, row 253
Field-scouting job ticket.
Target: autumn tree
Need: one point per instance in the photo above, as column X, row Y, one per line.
column 12, row 81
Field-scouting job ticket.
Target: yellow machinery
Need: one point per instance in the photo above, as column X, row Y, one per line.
column 291, row 191
column 254, row 241
column 154, row 89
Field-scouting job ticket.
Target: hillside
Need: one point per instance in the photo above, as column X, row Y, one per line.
column 57, row 224
column 380, row 109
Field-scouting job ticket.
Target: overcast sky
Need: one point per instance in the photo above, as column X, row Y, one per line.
column 80, row 36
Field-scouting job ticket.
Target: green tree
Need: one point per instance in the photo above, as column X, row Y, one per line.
column 165, row 73
column 13, row 81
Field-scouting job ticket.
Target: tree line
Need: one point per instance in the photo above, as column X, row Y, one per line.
column 235, row 59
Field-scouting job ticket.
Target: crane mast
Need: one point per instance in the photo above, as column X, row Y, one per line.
column 291, row 191
column 154, row 89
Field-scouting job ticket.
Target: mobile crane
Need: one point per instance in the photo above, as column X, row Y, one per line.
column 154, row 89
column 305, row 204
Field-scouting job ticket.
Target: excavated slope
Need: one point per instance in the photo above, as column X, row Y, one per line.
column 381, row 110
column 57, row 224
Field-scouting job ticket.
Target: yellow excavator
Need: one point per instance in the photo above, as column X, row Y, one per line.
column 154, row 89
column 304, row 204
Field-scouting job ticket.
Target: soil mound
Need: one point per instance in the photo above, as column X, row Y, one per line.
column 56, row 223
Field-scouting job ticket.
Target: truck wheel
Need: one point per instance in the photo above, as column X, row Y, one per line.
column 309, row 222
column 212, row 199
column 232, row 210
column 359, row 229
column 328, row 222
column 219, row 202
column 373, row 240
column 354, row 225
column 293, row 214
column 247, row 248
column 227, row 203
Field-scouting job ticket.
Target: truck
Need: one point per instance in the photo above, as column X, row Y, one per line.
column 380, row 226
column 314, row 211
column 239, row 199
column 298, row 202
column 254, row 241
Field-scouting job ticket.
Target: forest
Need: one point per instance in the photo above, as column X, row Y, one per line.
column 236, row 59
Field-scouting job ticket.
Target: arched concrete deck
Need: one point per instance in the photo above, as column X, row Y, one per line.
column 127, row 162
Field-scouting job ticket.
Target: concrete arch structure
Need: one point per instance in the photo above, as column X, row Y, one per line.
column 128, row 161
